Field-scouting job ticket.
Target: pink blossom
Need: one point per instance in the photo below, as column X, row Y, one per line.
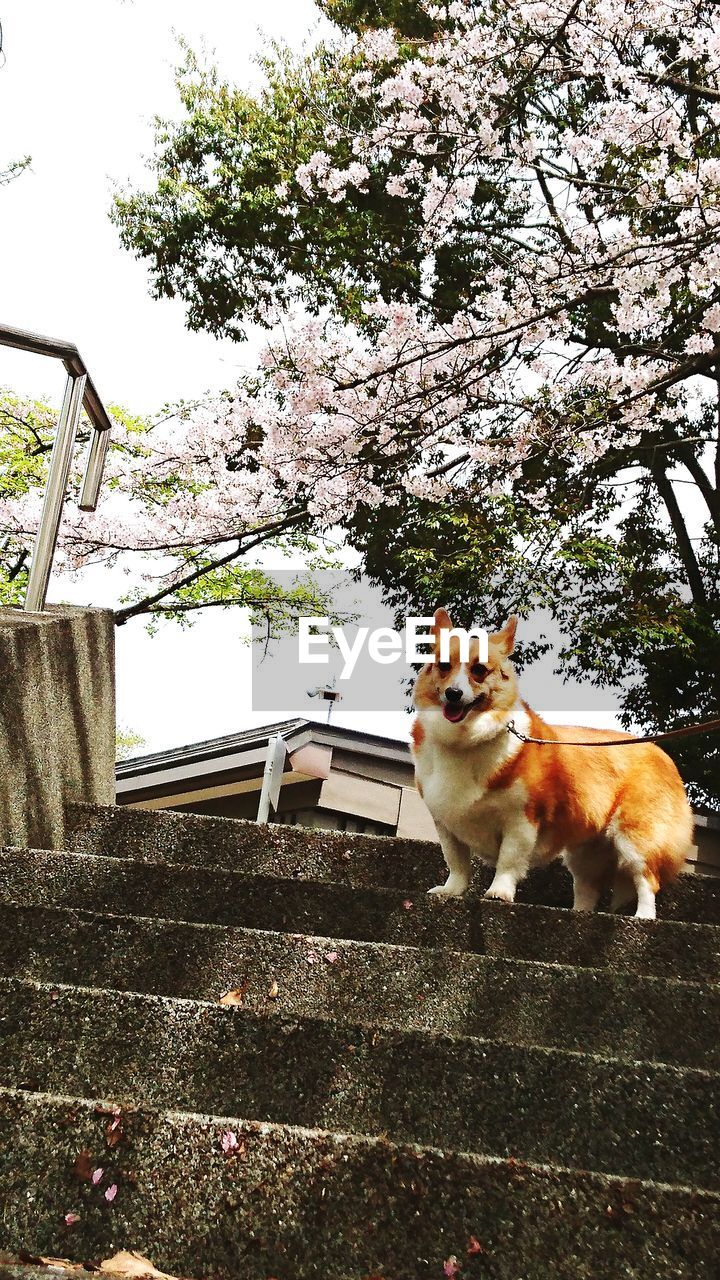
column 229, row 1142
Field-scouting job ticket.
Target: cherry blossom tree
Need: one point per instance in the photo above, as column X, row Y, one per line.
column 27, row 429
column 567, row 152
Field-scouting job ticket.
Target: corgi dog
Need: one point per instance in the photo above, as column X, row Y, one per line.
column 618, row 816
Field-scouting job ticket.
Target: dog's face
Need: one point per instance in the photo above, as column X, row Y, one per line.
column 464, row 693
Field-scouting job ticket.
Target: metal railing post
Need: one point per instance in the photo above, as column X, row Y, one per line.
column 94, row 468
column 80, row 390
column 58, row 474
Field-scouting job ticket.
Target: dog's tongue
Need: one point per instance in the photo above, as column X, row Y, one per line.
column 454, row 714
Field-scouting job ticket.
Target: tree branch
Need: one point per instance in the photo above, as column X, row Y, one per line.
column 711, row 496
column 682, row 539
column 18, row 566
column 146, row 605
column 686, row 87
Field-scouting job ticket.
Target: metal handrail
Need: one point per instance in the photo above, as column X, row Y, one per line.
column 80, row 392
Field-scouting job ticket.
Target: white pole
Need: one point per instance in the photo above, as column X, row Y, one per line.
column 272, row 776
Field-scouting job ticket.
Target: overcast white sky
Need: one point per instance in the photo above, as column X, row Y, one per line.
column 78, row 92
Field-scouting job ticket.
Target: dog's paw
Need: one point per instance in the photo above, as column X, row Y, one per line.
column 500, row 893
column 646, row 912
column 447, row 890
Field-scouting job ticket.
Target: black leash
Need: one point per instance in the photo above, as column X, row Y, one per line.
column 708, row 726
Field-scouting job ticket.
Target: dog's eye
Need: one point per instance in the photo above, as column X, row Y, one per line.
column 478, row 671
column 443, row 668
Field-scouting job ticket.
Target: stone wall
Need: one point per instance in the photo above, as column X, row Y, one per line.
column 57, row 719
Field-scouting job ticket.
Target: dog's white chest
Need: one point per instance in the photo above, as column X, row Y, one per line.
column 456, row 791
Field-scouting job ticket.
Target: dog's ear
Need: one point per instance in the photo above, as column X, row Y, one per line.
column 504, row 639
column 442, row 622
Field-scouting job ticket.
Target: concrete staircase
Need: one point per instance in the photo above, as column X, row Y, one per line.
column 402, row 1083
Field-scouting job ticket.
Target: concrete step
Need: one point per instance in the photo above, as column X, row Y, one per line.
column 127, row 887
column 26, row 1267
column 577, row 1110
column 300, row 1204
column 361, row 861
column 13, row 1268
column 408, row 988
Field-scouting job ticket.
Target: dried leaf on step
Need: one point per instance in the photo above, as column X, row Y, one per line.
column 132, row 1264
column 83, row 1166
column 274, row 991
column 62, row 1264
column 234, row 997
column 114, row 1132
column 474, row 1246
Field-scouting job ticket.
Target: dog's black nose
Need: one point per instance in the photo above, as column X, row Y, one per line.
column 453, row 695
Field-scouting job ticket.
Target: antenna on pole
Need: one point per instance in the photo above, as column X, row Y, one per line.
column 327, row 693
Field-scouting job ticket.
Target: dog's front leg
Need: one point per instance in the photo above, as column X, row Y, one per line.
column 516, row 850
column 457, row 861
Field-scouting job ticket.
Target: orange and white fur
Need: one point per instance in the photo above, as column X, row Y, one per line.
column 618, row 816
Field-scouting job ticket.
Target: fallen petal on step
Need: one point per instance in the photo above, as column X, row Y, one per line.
column 97, row 1176
column 474, row 1246
column 111, row 1192
column 331, row 956
column 71, row 1219
column 452, row 1266
column 229, row 1142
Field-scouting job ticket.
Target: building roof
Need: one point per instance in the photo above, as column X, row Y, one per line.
column 246, row 750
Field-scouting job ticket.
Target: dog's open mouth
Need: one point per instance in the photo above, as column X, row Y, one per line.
column 453, row 713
